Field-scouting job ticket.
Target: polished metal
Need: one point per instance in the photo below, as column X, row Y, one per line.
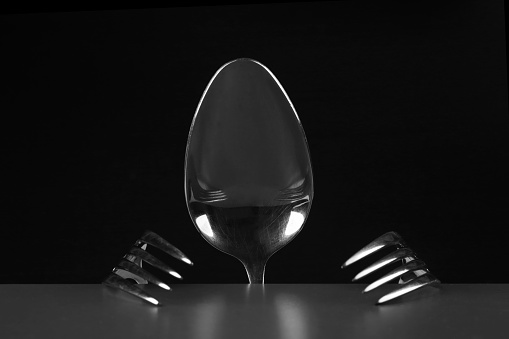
column 248, row 177
column 130, row 269
column 413, row 274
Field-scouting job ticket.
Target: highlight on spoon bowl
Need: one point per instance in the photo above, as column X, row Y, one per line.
column 248, row 176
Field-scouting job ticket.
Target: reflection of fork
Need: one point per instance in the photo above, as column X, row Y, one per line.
column 294, row 192
column 201, row 194
column 129, row 266
column 413, row 274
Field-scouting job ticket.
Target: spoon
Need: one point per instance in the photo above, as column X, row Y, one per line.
column 248, row 177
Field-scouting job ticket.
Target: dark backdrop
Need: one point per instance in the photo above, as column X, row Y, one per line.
column 404, row 106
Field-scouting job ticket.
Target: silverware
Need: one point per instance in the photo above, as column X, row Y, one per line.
column 248, row 176
column 413, row 274
column 128, row 273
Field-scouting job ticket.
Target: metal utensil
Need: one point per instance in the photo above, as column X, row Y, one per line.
column 128, row 273
column 413, row 274
column 249, row 183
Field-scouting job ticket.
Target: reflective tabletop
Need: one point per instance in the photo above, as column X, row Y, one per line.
column 253, row 311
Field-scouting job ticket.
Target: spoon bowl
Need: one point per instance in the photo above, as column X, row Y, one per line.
column 248, row 176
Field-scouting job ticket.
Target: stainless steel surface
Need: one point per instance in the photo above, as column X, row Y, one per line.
column 248, row 177
column 130, row 267
column 252, row 311
column 413, row 275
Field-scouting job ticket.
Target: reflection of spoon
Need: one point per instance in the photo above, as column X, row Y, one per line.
column 248, row 177
column 208, row 318
column 293, row 318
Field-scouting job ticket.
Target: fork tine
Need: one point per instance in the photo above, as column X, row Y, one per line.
column 419, row 282
column 157, row 241
column 387, row 239
column 135, row 269
column 114, row 280
column 390, row 258
column 397, row 272
column 147, row 257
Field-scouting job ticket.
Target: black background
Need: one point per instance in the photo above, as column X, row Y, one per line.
column 404, row 107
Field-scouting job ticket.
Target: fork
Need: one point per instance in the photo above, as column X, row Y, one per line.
column 130, row 267
column 413, row 274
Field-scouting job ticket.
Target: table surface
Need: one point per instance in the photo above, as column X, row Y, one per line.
column 224, row 311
